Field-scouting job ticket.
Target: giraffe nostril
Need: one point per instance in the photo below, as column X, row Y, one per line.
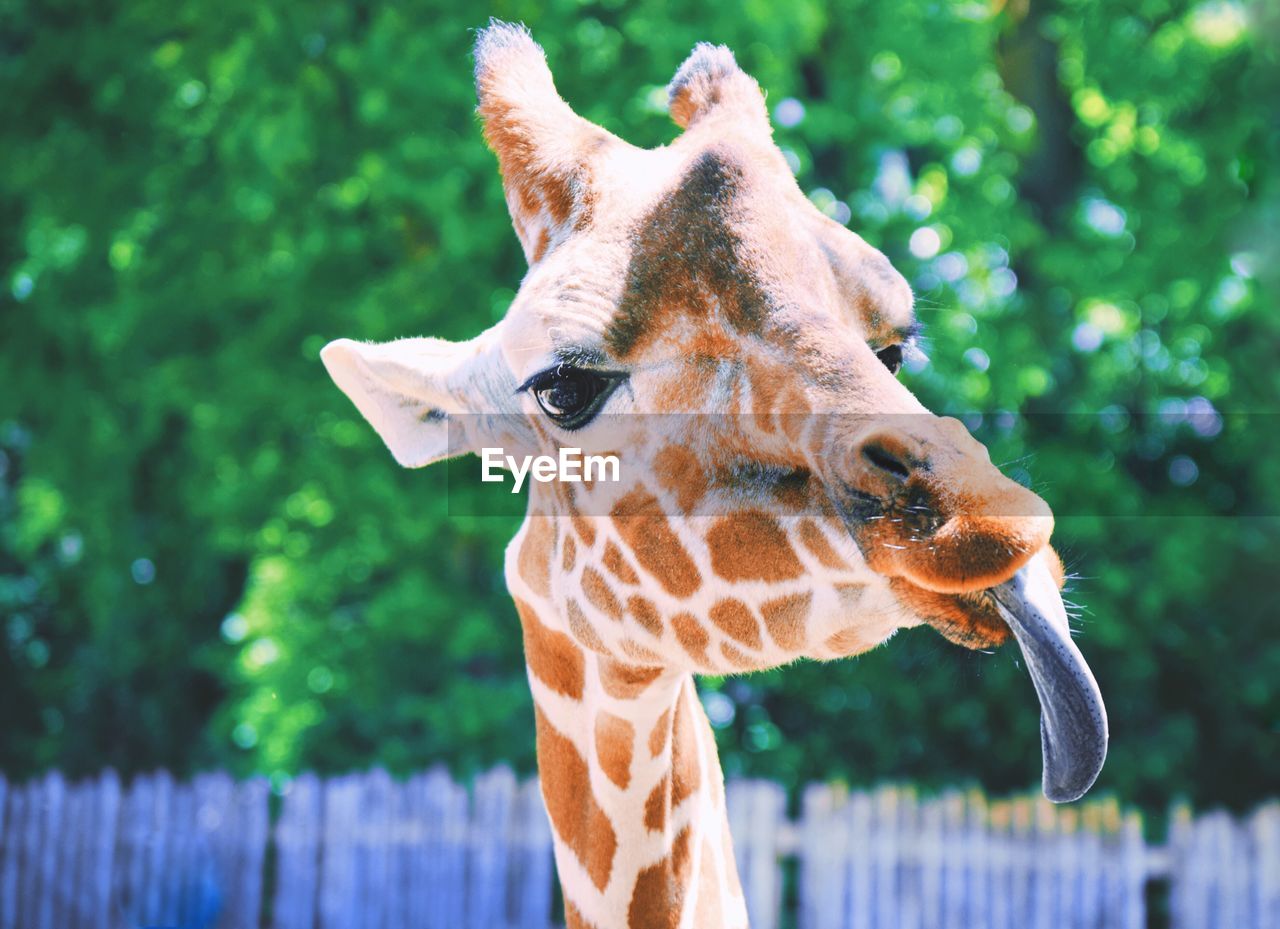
column 884, row 460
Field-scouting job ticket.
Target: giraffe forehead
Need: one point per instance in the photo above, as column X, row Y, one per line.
column 718, row 241
column 700, row 252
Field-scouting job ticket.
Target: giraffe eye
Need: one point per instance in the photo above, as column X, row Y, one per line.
column 571, row 396
column 891, row 358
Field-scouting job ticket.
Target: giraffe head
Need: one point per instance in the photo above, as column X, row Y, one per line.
column 782, row 494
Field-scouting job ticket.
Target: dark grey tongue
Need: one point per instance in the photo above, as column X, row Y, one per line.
column 1073, row 721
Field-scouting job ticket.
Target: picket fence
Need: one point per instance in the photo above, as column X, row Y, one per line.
column 366, row 851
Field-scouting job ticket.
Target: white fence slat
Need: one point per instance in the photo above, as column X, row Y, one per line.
column 405, row 832
column 418, row 862
column 1090, row 864
column 1134, row 871
column 822, row 875
column 106, row 800
column 182, row 898
column 903, row 842
column 449, row 808
column 29, row 872
column 1066, row 867
column 367, row 852
column 337, row 888
column 11, row 813
column 298, row 855
column 757, row 815
column 494, row 795
column 533, row 866
column 1264, row 826
column 157, row 851
column 955, row 888
column 375, row 847
column 976, row 855
column 859, row 901
column 929, row 855
column 70, row 859
column 1000, row 855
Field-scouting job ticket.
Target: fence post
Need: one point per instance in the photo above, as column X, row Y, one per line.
column 1135, row 873
column 11, row 812
column 298, row 855
column 858, row 854
column 364, row 852
column 444, row 858
column 1264, row 830
column 757, row 815
column 494, row 793
column 532, row 866
column 978, row 860
column 822, row 874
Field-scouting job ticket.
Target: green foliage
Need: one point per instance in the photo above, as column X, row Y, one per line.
column 207, row 559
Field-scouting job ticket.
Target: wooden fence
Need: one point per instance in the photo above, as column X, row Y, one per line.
column 365, row 851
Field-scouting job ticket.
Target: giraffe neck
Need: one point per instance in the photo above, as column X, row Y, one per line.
column 632, row 783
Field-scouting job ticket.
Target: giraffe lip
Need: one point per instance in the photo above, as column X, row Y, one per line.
column 1073, row 720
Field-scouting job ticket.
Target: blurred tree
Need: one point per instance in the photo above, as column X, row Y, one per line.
column 207, row 559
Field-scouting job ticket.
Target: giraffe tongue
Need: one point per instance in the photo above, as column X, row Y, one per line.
column 1073, row 721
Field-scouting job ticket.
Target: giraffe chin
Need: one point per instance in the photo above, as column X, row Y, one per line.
column 1073, row 719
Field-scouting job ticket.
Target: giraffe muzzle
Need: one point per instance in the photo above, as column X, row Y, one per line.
column 1073, row 719
column 925, row 503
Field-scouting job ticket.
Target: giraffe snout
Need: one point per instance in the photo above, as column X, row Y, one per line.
column 925, row 503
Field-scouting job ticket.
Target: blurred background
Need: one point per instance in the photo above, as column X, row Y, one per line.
column 208, row 561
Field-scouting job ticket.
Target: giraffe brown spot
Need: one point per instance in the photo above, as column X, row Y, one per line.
column 687, row 248
column 534, row 560
column 570, row 553
column 691, row 636
column 646, row 614
column 584, row 529
column 573, row 919
column 740, row 659
column 686, row 772
column 658, row 735
column 708, row 909
column 734, row 618
column 680, row 857
column 599, row 595
column 645, row 530
column 581, row 628
column 680, row 474
column 551, row 655
column 785, row 617
column 625, row 681
column 617, row 565
column 847, row 641
column 815, row 540
column 764, row 393
column 615, row 738
column 751, row 546
column 637, row 652
column 794, row 410
column 655, row 807
column 657, row 900
column 566, row 788
column 540, row 246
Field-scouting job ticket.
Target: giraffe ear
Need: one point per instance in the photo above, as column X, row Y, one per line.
column 543, row 147
column 710, row 83
column 407, row 390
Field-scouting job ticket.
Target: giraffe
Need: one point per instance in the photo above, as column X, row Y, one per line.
column 788, row 497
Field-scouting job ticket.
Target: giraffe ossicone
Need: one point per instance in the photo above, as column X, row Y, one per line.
column 783, row 496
